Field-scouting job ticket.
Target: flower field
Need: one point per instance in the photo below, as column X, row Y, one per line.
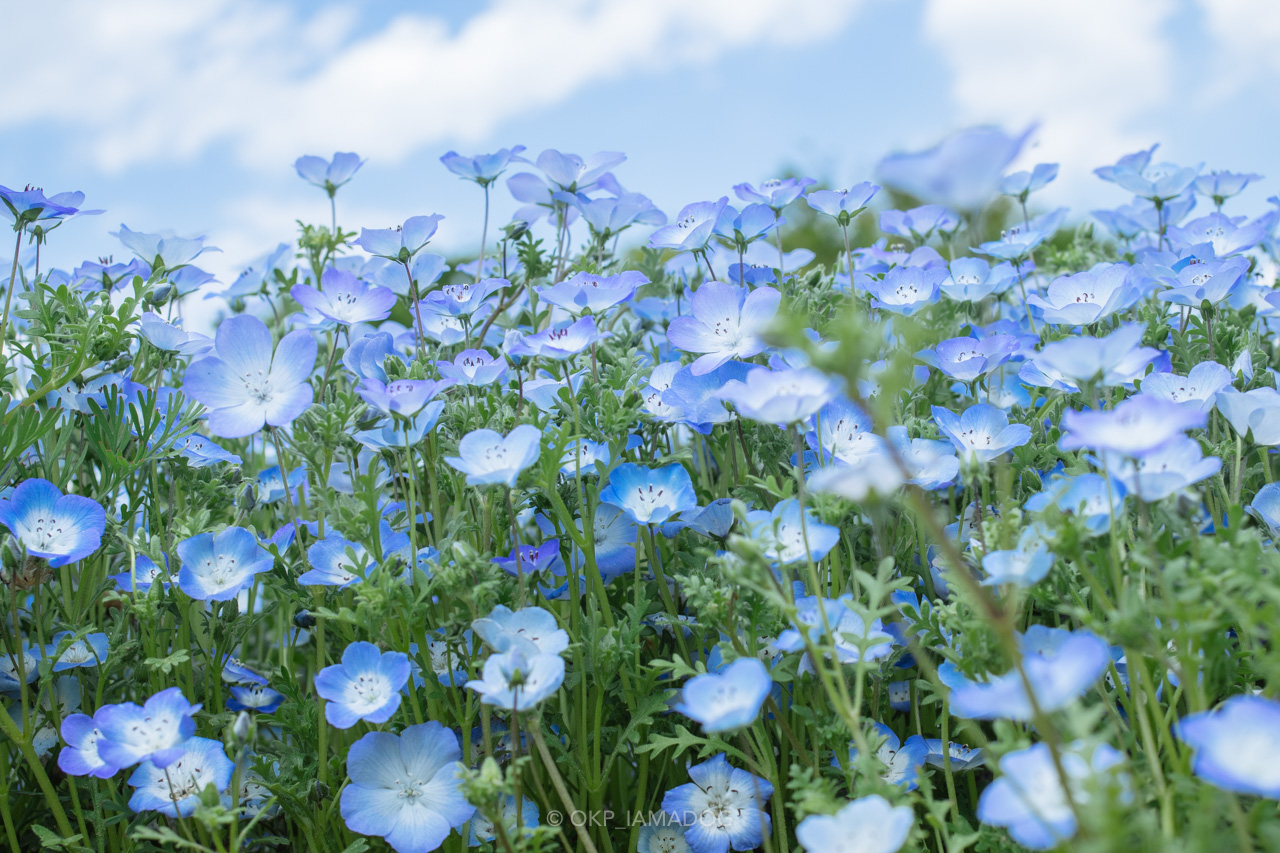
column 907, row 516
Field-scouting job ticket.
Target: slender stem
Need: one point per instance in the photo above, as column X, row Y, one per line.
column 484, row 233
column 558, row 783
column 8, row 293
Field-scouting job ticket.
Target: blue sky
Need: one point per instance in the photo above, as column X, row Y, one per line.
column 187, row 116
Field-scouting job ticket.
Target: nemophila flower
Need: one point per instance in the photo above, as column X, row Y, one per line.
column 692, row 399
column 1174, row 465
column 1015, row 243
column 345, row 299
column 1221, row 186
column 80, row 755
column 161, row 252
column 962, row 757
column 1135, row 427
column 1213, row 281
column 89, row 650
column 692, row 228
column 406, row 788
column 1236, row 745
column 401, row 243
column 1197, row 390
column 531, row 559
column 852, row 637
column 963, row 171
column 254, row 697
column 930, row 464
column 365, row 686
column 584, row 457
column 973, row 279
column 144, row 571
column 218, row 567
column 1226, row 235
column 919, row 223
column 570, row 172
column 866, row 825
column 874, row 472
column 171, row 338
column 982, row 432
column 153, row 732
column 661, row 834
column 483, row 829
column 902, row 761
column 474, row 367
column 723, row 807
column 1060, row 667
column 1256, row 412
column 787, row 535
column 1028, row 798
column 328, row 175
column 174, row 789
column 842, row 431
column 969, row 359
column 842, row 205
column 1117, row 359
column 1022, row 184
column 1022, row 566
column 726, row 323
column 484, row 169
column 649, row 495
column 366, row 357
column 530, row 628
column 29, row 205
column 1087, row 297
column 403, row 397
column 586, row 292
column 1265, row 507
column 607, row 216
column 245, row 386
column 332, row 565
column 517, row 680
column 543, row 391
column 729, row 699
column 781, row 397
column 558, row 342
column 271, row 486
column 462, row 300
column 615, row 543
column 488, row 458
column 48, row 524
column 906, row 290
column 18, row 669
column 738, row 230
column 775, row 193
column 1156, row 181
column 714, row 521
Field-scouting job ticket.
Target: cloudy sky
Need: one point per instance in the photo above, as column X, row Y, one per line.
column 187, row 116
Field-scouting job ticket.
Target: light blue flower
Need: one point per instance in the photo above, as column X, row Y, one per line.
column 175, row 788
column 80, row 755
column 919, row 223
column 328, row 175
column 982, row 432
column 963, row 171
column 906, row 290
column 973, row 279
column 217, row 568
column 787, row 536
column 345, row 299
column 88, row 651
column 154, row 731
column 843, row 205
column 473, row 367
column 1236, row 745
column 48, row 524
column 1135, row 427
column 931, row 464
column 725, row 322
column 902, row 762
column 530, row 628
column 484, row 169
column 517, row 680
column 558, row 342
column 722, row 808
column 406, row 788
column 586, row 292
column 781, row 397
column 1174, row 465
column 489, row 458
column 1198, row 389
column 403, row 397
column 649, row 495
column 168, row 253
column 866, row 825
column 1255, row 412
column 1022, row 184
column 729, row 699
column 401, row 243
column 1265, row 507
column 365, row 686
column 1087, row 297
column 1022, row 566
column 483, row 829
column 692, row 229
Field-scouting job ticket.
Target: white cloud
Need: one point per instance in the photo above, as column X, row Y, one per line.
column 147, row 80
column 1246, row 34
column 1092, row 72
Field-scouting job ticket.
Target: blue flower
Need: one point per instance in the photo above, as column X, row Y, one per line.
column 91, row 650
column 919, row 223
column 531, row 629
column 365, row 686
column 271, row 486
column 739, row 230
column 483, row 829
column 1221, row 186
column 931, row 464
column 866, row 825
column 1060, row 666
column 843, row 205
column 484, row 169
column 726, row 323
column 254, row 697
column 245, row 386
column 781, row 397
column 586, row 292
column 465, row 299
column 1135, row 427
column 1022, row 566
column 1087, row 297
column 1174, row 465
column 1015, row 243
column 973, row 279
column 1198, row 389
column 170, row 338
column 145, row 571
column 661, row 834
column 968, row 359
column 518, row 680
column 174, row 789
column 406, row 788
column 167, row 253
column 217, row 568
column 328, row 175
column 722, row 808
column 48, row 524
column 1265, row 507
column 153, row 732
column 1235, row 745
column 982, row 432
column 345, row 299
column 844, row 623
column 902, row 762
column 1022, row 184
column 401, row 243
column 1156, row 181
column 963, row 171
column 775, row 193
column 729, row 699
column 905, row 290
column 1256, row 412
column 366, row 356
column 474, row 367
column 532, row 559
column 571, row 173
column 962, row 757
column 80, row 755
column 403, row 397
column 615, row 543
column 649, row 495
column 488, row 458
column 690, row 398
column 332, row 566
column 788, row 536
column 30, row 205
column 692, row 229
column 1118, row 359
column 558, row 342
column 1028, row 797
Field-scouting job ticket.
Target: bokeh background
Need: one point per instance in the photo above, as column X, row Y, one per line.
column 188, row 115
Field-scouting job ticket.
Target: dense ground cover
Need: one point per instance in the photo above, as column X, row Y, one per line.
column 960, row 539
